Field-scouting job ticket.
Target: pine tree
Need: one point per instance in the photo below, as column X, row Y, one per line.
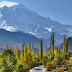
column 41, row 50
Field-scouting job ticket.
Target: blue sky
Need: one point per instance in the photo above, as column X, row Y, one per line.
column 58, row 10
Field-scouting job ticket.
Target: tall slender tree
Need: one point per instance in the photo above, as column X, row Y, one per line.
column 29, row 48
column 6, row 47
column 33, row 55
column 12, row 49
column 25, row 51
column 17, row 53
column 41, row 50
column 53, row 42
column 64, row 44
column 23, row 45
column 59, row 50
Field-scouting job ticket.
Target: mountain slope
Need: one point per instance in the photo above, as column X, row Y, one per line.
column 17, row 38
column 69, row 44
column 20, row 18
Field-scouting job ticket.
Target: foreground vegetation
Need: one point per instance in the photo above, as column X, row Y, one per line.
column 54, row 58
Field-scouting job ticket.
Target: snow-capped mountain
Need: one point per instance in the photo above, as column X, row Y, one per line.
column 18, row 17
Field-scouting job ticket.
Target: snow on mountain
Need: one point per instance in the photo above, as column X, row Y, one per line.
column 16, row 17
column 7, row 3
column 49, row 29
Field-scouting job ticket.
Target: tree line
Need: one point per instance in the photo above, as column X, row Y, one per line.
column 14, row 61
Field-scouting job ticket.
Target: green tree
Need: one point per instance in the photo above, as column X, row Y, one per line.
column 17, row 53
column 25, row 51
column 53, row 43
column 64, row 44
column 8, row 61
column 29, row 48
column 49, row 51
column 33, row 55
column 23, row 45
column 6, row 47
column 59, row 50
column 12, row 49
column 41, row 50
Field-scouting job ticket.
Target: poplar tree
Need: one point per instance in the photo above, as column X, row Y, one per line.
column 25, row 51
column 41, row 50
column 12, row 49
column 17, row 53
column 49, row 51
column 59, row 50
column 6, row 47
column 53, row 42
column 33, row 55
column 29, row 48
column 46, row 50
column 64, row 44
column 23, row 45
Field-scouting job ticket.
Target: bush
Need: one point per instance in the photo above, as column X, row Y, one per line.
column 50, row 65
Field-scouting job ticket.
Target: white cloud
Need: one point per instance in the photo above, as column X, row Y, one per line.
column 7, row 3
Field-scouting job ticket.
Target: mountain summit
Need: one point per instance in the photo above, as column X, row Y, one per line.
column 19, row 18
column 7, row 3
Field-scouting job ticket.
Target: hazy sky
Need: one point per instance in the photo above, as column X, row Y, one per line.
column 58, row 10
